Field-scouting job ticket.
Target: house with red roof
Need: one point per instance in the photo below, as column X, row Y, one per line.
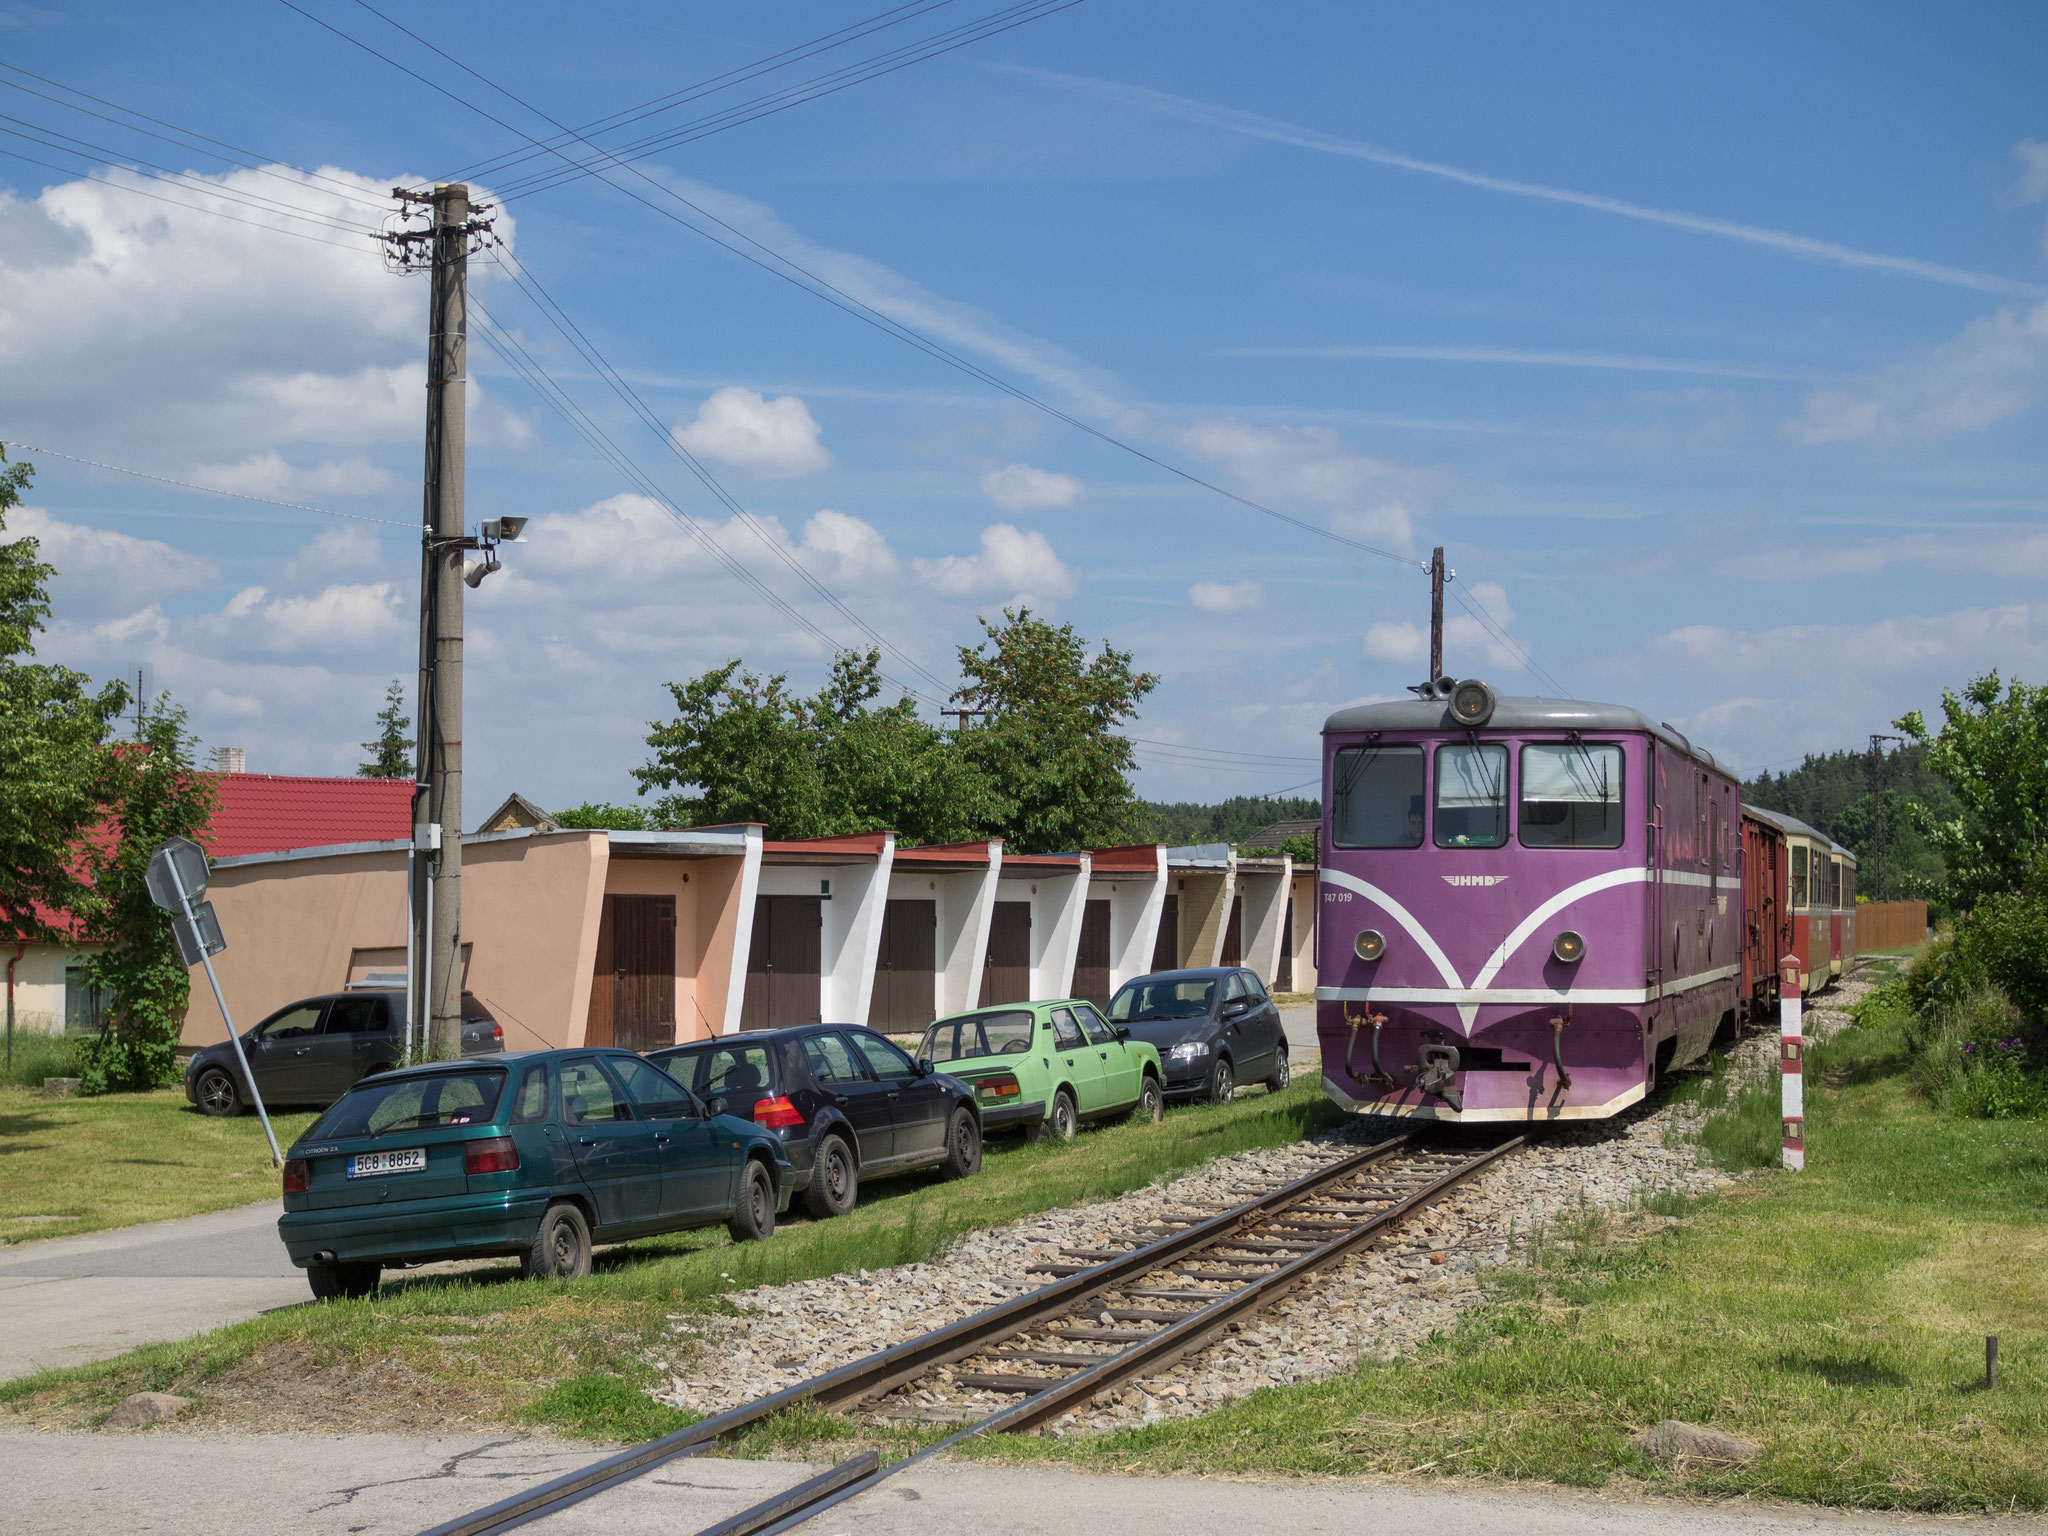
column 253, row 813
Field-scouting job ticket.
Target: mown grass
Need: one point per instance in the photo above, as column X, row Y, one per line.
column 126, row 1158
column 574, row 1357
column 1837, row 1317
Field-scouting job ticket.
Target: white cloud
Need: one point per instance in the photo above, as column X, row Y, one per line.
column 343, row 618
column 1365, row 496
column 1397, row 642
column 1238, row 597
column 1990, row 372
column 770, row 438
column 1469, row 646
column 851, row 552
column 1011, row 562
column 2032, row 155
column 101, row 571
column 2005, row 554
column 1020, row 488
column 267, row 474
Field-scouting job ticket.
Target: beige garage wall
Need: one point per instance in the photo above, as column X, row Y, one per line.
column 704, row 890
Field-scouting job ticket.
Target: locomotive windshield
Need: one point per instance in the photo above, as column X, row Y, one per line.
column 1571, row 796
column 1377, row 800
column 1472, row 796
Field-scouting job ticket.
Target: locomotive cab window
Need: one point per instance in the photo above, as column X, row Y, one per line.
column 1472, row 796
column 1377, row 798
column 1571, row 796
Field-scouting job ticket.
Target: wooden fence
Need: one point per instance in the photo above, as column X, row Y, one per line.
column 1890, row 925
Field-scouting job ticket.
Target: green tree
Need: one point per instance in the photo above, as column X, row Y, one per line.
column 1047, row 742
column 53, row 759
column 1992, row 750
column 603, row 816
column 391, row 752
column 154, row 794
column 744, row 748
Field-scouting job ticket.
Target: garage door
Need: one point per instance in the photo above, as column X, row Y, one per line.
column 1091, row 964
column 905, row 982
column 1166, row 948
column 1006, row 974
column 783, row 962
column 633, row 982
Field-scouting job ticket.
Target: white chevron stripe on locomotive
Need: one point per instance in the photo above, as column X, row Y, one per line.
column 1469, row 998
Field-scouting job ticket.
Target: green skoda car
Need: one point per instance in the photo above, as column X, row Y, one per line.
column 536, row 1155
column 1047, row 1067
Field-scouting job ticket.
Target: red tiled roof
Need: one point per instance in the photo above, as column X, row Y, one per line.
column 1132, row 856
column 271, row 813
column 947, row 853
column 860, row 844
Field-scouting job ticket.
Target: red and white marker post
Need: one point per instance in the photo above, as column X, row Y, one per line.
column 1791, row 1066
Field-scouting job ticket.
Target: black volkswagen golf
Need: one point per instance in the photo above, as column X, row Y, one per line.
column 845, row 1103
column 1214, row 1028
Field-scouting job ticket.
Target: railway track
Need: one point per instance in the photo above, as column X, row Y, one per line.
column 1107, row 1317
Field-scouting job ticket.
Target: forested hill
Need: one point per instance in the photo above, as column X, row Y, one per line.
column 1832, row 792
column 1231, row 821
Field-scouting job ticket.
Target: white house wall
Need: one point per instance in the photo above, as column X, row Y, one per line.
column 964, row 904
column 1264, row 897
column 1137, row 902
column 743, row 935
column 1058, row 903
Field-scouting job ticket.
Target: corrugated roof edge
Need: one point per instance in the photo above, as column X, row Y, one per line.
column 1515, row 714
column 734, row 837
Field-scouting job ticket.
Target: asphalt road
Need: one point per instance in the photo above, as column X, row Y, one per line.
column 168, row 1483
column 72, row 1300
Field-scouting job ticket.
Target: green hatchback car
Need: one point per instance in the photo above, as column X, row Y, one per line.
column 1048, row 1067
column 536, row 1155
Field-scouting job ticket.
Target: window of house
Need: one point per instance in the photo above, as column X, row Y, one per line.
column 86, row 1007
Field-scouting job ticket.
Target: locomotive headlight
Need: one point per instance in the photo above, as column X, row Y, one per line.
column 1370, row 944
column 1570, row 947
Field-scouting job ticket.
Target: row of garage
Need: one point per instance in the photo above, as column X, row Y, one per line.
column 643, row 939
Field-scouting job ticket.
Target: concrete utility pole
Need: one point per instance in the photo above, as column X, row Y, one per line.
column 435, row 943
column 1436, row 613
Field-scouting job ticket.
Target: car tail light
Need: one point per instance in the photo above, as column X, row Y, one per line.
column 776, row 1114
column 497, row 1032
column 298, row 1176
column 999, row 1085
column 494, row 1154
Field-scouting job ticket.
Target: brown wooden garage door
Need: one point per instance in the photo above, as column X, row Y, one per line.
column 783, row 962
column 1091, row 964
column 1006, row 973
column 633, row 982
column 1233, row 934
column 905, row 980
column 1166, row 948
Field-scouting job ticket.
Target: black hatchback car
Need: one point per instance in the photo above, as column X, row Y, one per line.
column 1214, row 1029
column 845, row 1103
column 313, row 1050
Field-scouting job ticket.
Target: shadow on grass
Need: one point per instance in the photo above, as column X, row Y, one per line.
column 1839, row 1372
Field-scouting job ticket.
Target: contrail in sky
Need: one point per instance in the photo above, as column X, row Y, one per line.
column 1626, row 362
column 1254, row 126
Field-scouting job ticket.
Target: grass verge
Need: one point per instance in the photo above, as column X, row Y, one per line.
column 1837, row 1317
column 485, row 1347
column 126, row 1158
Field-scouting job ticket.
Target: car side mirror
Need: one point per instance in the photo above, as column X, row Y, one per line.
column 925, row 1066
column 715, row 1105
column 1236, row 1008
column 1122, row 1032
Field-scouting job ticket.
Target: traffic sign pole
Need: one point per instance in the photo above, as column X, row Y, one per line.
column 176, row 881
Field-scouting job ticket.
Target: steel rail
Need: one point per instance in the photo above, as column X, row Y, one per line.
column 890, row 1367
column 1164, row 1347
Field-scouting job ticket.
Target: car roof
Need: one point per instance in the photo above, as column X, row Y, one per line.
column 1193, row 972
column 786, row 1032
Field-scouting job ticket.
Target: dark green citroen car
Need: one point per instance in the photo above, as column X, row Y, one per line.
column 536, row 1155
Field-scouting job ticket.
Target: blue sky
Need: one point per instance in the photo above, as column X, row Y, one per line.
column 1712, row 342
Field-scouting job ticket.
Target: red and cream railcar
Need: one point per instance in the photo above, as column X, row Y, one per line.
column 1817, row 899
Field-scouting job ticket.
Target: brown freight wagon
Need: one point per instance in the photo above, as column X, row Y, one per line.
column 1766, row 909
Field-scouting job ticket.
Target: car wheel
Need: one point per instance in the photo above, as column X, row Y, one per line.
column 333, row 1281
column 753, row 1214
column 1064, row 1120
column 835, row 1179
column 561, row 1246
column 1151, row 1103
column 217, row 1094
column 963, row 1146
column 1282, row 1074
column 1222, row 1086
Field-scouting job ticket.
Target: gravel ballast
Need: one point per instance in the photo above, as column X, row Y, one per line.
column 1379, row 1304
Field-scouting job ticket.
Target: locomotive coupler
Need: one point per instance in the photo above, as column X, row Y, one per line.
column 1437, row 1073
column 1564, row 1078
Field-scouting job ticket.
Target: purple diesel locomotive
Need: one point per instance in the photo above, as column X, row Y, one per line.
column 1530, row 907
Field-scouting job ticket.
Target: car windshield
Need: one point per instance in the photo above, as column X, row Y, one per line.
column 1141, row 1000
column 980, row 1034
column 379, row 1105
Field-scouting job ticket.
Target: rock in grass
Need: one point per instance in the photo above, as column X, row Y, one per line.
column 143, row 1409
column 1675, row 1440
